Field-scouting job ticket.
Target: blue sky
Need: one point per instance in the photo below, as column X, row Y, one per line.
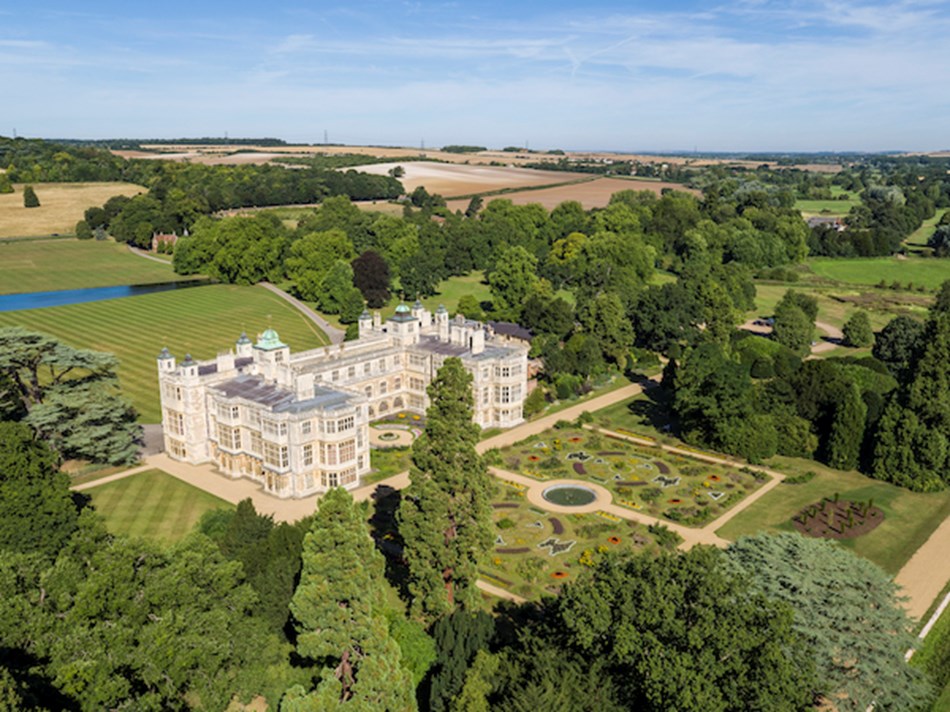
column 747, row 75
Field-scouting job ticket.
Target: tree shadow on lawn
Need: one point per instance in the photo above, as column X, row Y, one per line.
column 655, row 409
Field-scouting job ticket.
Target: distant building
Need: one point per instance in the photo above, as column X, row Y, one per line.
column 836, row 223
column 299, row 423
column 161, row 238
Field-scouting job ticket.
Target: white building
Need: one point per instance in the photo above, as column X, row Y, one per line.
column 299, row 423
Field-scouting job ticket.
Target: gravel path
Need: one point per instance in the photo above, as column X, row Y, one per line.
column 335, row 335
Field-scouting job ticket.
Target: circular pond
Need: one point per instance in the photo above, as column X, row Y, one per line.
column 569, row 495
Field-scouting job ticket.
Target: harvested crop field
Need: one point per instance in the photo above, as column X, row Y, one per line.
column 61, row 206
column 453, row 179
column 591, row 194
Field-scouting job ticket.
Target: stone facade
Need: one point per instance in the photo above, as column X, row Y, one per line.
column 299, row 423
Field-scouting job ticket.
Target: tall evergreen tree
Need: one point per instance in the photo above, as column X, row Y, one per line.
column 847, row 615
column 445, row 514
column 29, row 198
column 847, row 430
column 913, row 437
column 341, row 626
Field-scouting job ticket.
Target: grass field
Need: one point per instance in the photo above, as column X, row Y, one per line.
column 201, row 321
column 910, row 517
column 930, row 272
column 47, row 265
column 833, row 207
column 917, row 240
column 153, row 504
column 61, row 206
column 833, row 306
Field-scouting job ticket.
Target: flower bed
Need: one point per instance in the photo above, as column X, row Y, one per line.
column 678, row 488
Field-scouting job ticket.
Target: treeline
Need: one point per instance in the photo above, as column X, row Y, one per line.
column 179, row 193
column 884, row 414
column 604, row 258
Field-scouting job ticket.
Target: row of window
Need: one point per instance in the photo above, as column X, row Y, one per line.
column 367, row 369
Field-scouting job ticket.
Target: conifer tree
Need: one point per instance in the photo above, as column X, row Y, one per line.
column 445, row 514
column 338, row 611
column 29, row 198
column 847, row 430
column 913, row 436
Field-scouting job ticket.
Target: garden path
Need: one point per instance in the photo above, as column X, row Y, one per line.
column 533, row 427
column 927, row 572
column 335, row 335
column 146, row 255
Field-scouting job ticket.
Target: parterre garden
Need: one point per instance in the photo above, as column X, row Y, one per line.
column 680, row 489
column 536, row 551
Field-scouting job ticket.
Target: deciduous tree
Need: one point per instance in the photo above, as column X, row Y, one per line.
column 857, row 330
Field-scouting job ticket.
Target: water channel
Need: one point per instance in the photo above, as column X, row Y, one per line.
column 39, row 300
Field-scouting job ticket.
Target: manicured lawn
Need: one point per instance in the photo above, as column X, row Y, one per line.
column 61, row 206
column 910, row 517
column 153, row 504
column 930, row 272
column 387, row 462
column 201, row 321
column 48, row 265
column 836, row 208
column 661, row 484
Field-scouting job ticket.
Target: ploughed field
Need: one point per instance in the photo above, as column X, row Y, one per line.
column 201, row 321
column 455, row 179
column 591, row 193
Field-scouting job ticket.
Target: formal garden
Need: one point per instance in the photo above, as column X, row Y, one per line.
column 535, row 552
column 648, row 480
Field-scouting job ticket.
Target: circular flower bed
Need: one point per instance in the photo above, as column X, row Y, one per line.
column 576, row 439
column 714, row 478
column 675, row 501
column 613, row 540
column 533, row 458
column 388, row 436
column 560, row 575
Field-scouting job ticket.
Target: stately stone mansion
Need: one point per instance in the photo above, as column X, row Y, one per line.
column 299, row 423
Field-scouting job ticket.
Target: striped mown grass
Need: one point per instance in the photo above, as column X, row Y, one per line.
column 201, row 321
column 153, row 504
column 47, row 265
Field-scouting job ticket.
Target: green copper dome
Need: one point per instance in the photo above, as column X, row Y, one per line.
column 269, row 341
column 402, row 309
